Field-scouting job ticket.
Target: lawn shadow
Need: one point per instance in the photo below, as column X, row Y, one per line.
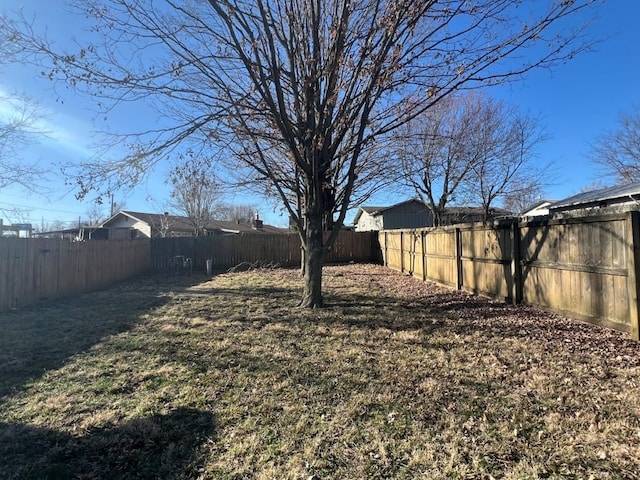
column 159, row 446
column 45, row 336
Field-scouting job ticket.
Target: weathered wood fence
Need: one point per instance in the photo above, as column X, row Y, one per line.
column 586, row 267
column 227, row 251
column 582, row 267
column 36, row 269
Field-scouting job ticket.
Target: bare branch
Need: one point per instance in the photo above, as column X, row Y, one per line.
column 617, row 152
column 299, row 93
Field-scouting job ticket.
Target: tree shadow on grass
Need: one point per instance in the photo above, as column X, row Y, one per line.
column 44, row 336
column 160, row 446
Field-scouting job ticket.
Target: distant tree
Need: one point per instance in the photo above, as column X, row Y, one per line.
column 504, row 141
column 94, row 215
column 618, row 151
column 18, row 127
column 50, row 226
column 595, row 185
column 435, row 153
column 519, row 200
column 241, row 213
column 469, row 147
column 196, row 191
column 297, row 92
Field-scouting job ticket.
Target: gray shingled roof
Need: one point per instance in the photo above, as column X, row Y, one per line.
column 182, row 224
column 447, row 210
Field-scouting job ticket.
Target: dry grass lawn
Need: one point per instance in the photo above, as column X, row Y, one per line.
column 190, row 377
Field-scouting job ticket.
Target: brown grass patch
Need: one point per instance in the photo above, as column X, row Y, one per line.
column 189, row 377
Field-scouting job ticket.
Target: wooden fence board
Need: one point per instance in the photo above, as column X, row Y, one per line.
column 586, row 267
column 226, row 251
column 32, row 270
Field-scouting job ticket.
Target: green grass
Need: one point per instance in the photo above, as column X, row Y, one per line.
column 189, row 377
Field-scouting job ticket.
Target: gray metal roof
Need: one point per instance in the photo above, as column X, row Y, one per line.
column 621, row 192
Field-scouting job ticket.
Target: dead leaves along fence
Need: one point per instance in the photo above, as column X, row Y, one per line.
column 585, row 268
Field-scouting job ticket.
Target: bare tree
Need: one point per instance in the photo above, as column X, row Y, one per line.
column 618, row 151
column 519, row 200
column 504, row 141
column 241, row 213
column 19, row 116
column 94, row 215
column 595, row 185
column 18, row 127
column 469, row 147
column 50, row 226
column 298, row 92
column 433, row 150
column 196, row 191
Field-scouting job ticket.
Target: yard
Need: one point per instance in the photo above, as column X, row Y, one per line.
column 191, row 377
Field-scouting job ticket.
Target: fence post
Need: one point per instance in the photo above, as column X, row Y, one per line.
column 458, row 257
column 633, row 263
column 386, row 251
column 401, row 251
column 516, row 276
column 424, row 257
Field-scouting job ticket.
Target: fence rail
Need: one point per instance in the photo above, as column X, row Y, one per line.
column 36, row 269
column 581, row 267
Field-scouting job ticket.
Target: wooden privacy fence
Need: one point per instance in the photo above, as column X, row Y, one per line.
column 36, row 269
column 226, row 251
column 585, row 267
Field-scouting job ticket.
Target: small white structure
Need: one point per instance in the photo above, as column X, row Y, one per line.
column 538, row 209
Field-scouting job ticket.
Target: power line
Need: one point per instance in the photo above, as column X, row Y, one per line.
column 18, row 205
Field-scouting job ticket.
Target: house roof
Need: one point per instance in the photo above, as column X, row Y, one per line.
column 374, row 211
column 601, row 196
column 183, row 224
column 541, row 204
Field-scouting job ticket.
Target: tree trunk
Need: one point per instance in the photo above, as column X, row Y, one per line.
column 313, row 261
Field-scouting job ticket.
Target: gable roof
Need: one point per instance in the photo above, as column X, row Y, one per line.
column 375, row 211
column 183, row 224
column 600, row 197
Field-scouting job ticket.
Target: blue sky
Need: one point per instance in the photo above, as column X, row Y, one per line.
column 576, row 101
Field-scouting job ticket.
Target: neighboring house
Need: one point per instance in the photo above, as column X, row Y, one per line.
column 409, row 214
column 538, row 209
column 415, row 214
column 621, row 198
column 127, row 224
